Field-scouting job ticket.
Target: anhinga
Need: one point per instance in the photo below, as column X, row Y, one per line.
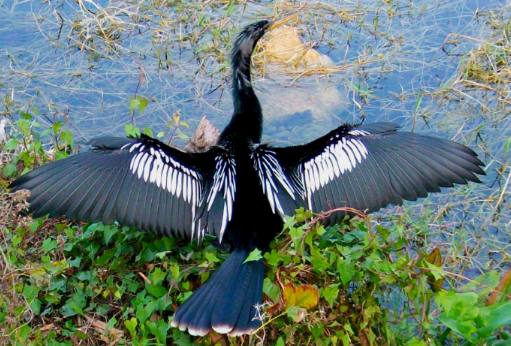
column 240, row 189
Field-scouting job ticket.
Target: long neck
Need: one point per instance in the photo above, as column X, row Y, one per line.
column 247, row 120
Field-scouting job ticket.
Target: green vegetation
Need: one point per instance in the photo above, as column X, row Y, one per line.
column 353, row 283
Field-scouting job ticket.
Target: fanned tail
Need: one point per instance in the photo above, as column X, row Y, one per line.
column 228, row 302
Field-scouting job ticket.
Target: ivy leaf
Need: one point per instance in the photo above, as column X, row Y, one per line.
column 330, row 294
column 49, row 244
column 156, row 288
column 346, row 270
column 30, row 292
column 159, row 329
column 304, row 296
column 255, row 255
column 75, row 304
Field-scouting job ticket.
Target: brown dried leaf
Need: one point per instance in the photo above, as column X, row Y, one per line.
column 108, row 334
column 435, row 258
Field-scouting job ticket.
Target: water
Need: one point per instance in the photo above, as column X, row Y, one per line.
column 54, row 63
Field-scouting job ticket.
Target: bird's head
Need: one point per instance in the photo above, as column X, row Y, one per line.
column 247, row 39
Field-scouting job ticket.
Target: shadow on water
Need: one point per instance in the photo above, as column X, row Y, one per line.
column 84, row 64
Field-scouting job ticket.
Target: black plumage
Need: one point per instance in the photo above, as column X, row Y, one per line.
column 239, row 190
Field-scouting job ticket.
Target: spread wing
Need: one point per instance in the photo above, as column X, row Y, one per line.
column 137, row 182
column 371, row 166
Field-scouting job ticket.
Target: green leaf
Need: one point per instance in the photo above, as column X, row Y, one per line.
column 131, row 326
column 144, row 311
column 274, row 258
column 132, row 131
column 74, row 305
column 436, row 271
column 156, row 288
column 271, row 290
column 416, row 342
column 11, row 144
column 157, row 276
column 75, row 262
column 318, row 260
column 346, row 270
column 9, row 170
column 147, row 131
column 84, row 275
column 255, row 255
column 49, row 244
column 108, row 233
column 30, row 293
column 25, row 116
column 138, row 103
column 162, row 254
column 211, row 257
column 495, row 316
column 466, row 328
column 23, row 333
column 159, row 329
column 296, row 234
column 180, row 338
column 67, row 137
column 483, row 284
column 330, row 294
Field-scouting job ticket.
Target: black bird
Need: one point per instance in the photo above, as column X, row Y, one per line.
column 240, row 189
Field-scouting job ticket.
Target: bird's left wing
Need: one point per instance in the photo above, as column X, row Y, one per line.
column 369, row 167
column 138, row 182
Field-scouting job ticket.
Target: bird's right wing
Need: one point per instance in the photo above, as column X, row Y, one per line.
column 137, row 182
column 371, row 166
